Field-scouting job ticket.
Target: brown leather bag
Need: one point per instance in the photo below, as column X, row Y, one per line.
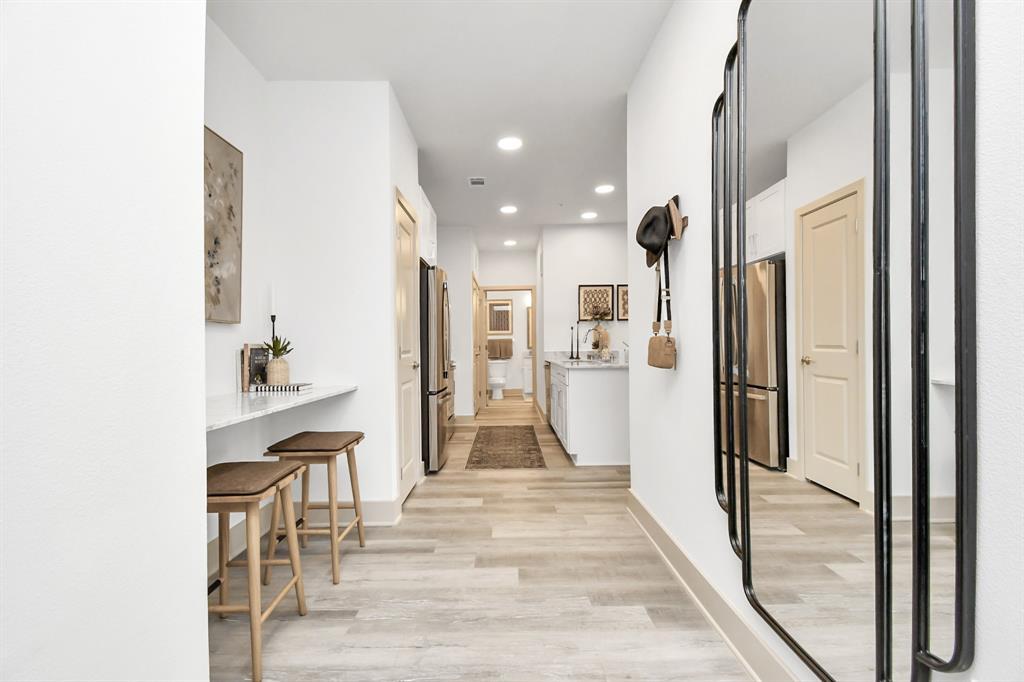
column 661, row 348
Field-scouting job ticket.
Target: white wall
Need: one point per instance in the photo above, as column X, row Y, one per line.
column 672, row 470
column 521, row 301
column 575, row 255
column 457, row 254
column 1000, row 177
column 322, row 160
column 669, row 107
column 103, row 545
column 502, row 268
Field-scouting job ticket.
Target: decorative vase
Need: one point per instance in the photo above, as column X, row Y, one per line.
column 277, row 372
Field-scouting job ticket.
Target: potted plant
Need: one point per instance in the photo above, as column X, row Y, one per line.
column 277, row 368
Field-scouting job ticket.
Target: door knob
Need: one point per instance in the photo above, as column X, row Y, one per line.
column 415, row 364
column 806, row 360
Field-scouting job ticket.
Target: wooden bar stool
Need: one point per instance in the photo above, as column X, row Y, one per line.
column 322, row 447
column 240, row 487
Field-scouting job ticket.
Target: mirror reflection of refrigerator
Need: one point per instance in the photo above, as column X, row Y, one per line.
column 436, row 386
column 767, row 413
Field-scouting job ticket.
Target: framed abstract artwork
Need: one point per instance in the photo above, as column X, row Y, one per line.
column 622, row 301
column 499, row 316
column 222, row 202
column 596, row 302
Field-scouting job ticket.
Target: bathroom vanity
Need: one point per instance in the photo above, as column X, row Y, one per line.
column 589, row 409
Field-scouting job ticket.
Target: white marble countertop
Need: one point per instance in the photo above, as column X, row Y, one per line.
column 235, row 408
column 587, row 364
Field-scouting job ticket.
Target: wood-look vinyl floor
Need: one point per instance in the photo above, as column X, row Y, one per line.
column 813, row 568
column 512, row 575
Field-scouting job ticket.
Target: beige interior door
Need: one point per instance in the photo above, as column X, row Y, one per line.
column 829, row 363
column 408, row 320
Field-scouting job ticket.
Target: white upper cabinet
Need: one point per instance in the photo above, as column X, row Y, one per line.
column 428, row 230
column 766, row 216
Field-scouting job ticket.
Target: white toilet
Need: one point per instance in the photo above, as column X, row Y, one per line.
column 497, row 376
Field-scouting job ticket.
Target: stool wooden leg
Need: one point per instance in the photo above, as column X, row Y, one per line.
column 357, row 503
column 332, row 512
column 252, row 554
column 224, row 550
column 275, row 521
column 305, row 505
column 293, row 546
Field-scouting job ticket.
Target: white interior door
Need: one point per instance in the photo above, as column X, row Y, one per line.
column 829, row 343
column 407, row 301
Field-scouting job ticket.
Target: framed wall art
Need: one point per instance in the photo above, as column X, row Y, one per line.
column 499, row 316
column 596, row 302
column 622, row 302
column 222, row 201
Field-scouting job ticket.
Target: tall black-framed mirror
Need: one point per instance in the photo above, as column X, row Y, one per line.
column 853, row 316
column 805, row 175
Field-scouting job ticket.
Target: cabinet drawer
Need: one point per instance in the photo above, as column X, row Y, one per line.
column 559, row 375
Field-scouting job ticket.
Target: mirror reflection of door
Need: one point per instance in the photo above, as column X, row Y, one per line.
column 831, row 368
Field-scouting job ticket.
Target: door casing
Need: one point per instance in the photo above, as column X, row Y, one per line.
column 532, row 314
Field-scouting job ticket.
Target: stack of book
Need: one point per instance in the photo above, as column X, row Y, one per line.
column 254, row 372
column 280, row 388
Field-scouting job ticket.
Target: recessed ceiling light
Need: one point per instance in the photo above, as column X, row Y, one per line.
column 510, row 242
column 604, row 189
column 588, row 215
column 508, row 210
column 510, row 144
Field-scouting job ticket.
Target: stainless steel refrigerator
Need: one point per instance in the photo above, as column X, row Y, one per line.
column 767, row 413
column 436, row 386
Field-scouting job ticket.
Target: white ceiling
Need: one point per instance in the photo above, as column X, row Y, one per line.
column 805, row 57
column 554, row 73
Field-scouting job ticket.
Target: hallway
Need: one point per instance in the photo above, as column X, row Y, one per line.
column 492, row 575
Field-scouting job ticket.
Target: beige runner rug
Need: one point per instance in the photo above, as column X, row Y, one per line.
column 506, row 447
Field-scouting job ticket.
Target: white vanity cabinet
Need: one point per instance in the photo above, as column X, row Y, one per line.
column 590, row 411
column 559, row 403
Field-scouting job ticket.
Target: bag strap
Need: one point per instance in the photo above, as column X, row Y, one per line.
column 668, row 297
column 656, row 327
column 663, row 293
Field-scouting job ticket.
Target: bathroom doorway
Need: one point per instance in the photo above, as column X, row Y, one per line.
column 510, row 343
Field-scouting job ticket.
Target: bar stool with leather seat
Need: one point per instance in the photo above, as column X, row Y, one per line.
column 240, row 487
column 322, row 447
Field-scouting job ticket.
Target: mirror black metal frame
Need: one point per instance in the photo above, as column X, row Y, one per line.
column 716, row 333
column 724, row 113
column 965, row 334
column 728, row 107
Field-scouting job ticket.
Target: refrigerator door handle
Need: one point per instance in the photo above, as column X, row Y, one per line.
column 446, row 330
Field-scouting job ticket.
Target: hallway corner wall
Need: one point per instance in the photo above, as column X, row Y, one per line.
column 102, row 454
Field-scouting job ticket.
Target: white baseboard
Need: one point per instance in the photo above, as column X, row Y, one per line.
column 375, row 513
column 754, row 654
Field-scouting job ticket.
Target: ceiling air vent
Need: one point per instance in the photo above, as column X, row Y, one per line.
column 477, row 182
